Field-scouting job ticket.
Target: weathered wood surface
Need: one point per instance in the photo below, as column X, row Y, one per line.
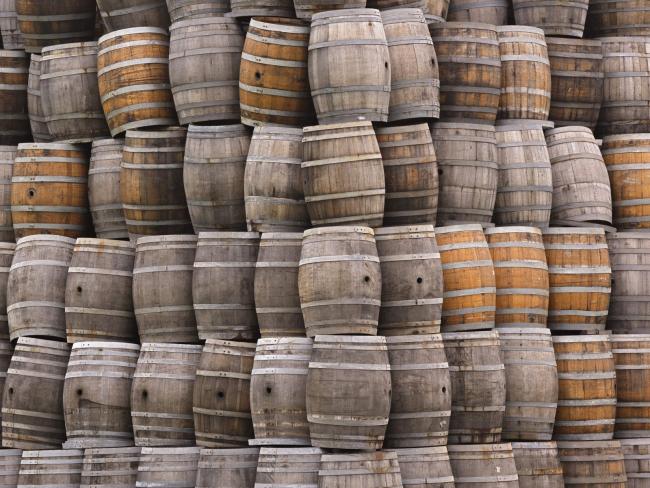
column 538, row 464
column 487, row 465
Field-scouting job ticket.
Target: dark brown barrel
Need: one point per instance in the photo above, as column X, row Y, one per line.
column 162, row 289
column 484, row 466
column 470, row 70
column 261, row 8
column 36, row 287
column 531, row 384
column 161, row 395
column 61, row 467
column 619, row 18
column 104, row 189
column 97, row 394
column 7, row 156
column 339, row 281
column 11, row 36
column 113, row 467
column 425, row 467
column 538, row 464
column 342, row 415
column 122, row 14
column 195, row 9
column 306, row 8
column 216, row 154
column 273, row 193
column 204, row 57
column 7, row 250
column 14, row 118
column 488, row 11
column 34, row 107
column 349, row 66
column 227, row 468
column 32, row 403
column 478, row 384
column 376, row 469
column 9, row 467
column 593, row 463
column 98, row 292
column 221, row 404
column 223, row 290
column 411, row 174
column 555, row 18
column 287, row 467
column 418, row 363
column 636, row 453
column 277, row 302
column 163, row 466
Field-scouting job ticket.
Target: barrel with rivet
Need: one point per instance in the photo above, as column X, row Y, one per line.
column 554, row 17
column 305, row 9
column 227, row 468
column 494, row 12
column 593, row 463
column 262, row 8
column 34, row 108
column 168, row 467
column 14, row 78
column 372, row 469
column 122, row 14
column 52, row 468
column 484, row 466
column 288, row 467
column 7, row 156
column 9, row 467
column 636, row 453
column 7, row 250
column 221, row 403
column 196, row 9
column 32, row 403
column 112, row 467
column 11, row 36
column 538, row 464
column 618, row 18
column 425, row 467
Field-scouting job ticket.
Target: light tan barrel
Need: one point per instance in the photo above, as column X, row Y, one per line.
column 216, row 154
column 278, row 389
column 484, row 466
column 411, row 291
column 581, row 188
column 227, row 468
column 32, row 403
column 593, row 463
column 204, row 57
column 531, row 384
column 277, row 302
column 494, row 12
column 636, row 453
column 162, row 289
column 478, row 385
column 618, row 18
column 195, row 9
column 122, row 14
column 305, row 9
column 164, row 466
column 579, row 275
column 36, row 287
column 418, row 363
column 376, row 469
column 261, row 8
column 425, row 467
column 349, row 66
column 223, row 290
column 339, row 281
column 113, row 467
column 104, row 189
column 7, row 156
column 161, row 394
column 97, row 394
column 221, row 404
column 555, row 18
column 34, row 108
column 11, row 36
column 7, row 250
column 52, row 468
column 411, row 174
column 9, row 467
column 538, row 464
column 288, row 467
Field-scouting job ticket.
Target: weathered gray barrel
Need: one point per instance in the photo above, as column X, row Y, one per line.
column 34, row 108
column 168, row 467
column 221, row 403
column 6, row 256
column 227, row 468
column 223, row 285
column 196, row 9
column 122, row 14
column 278, row 391
column 488, row 11
column 161, row 395
column 9, row 467
column 32, row 403
column 593, row 463
column 483, row 466
column 97, row 394
column 162, row 289
column 636, row 453
column 7, row 156
column 305, row 9
column 11, row 36
column 36, row 286
column 261, row 8
column 425, row 467
column 538, row 464
column 418, row 363
column 49, row 469
column 370, row 469
column 288, row 467
column 277, row 302
column 113, row 467
column 553, row 17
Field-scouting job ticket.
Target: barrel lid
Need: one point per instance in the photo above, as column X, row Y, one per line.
column 49, row 453
column 31, row 341
column 163, row 239
column 289, row 451
column 217, row 129
column 108, row 451
column 535, row 445
column 167, row 347
column 582, row 338
column 520, row 28
column 404, row 229
column 343, row 125
column 280, row 24
column 282, row 236
column 343, row 229
column 50, row 145
column 354, row 13
column 573, row 230
column 514, row 228
column 504, row 446
column 203, row 21
column 105, row 345
column 91, row 241
column 463, row 125
column 129, row 31
column 458, row 228
column 68, row 241
column 227, row 235
column 468, row 336
column 630, row 235
column 570, row 128
column 403, row 129
column 222, row 343
column 180, row 451
column 223, row 452
column 162, row 133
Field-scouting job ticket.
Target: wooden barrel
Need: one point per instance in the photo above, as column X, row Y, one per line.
column 133, row 79
column 227, row 468
column 343, row 175
column 349, row 66
column 397, row 4
column 425, row 467
column 162, row 289
column 161, row 395
column 436, row 11
column 261, row 8
column 223, row 290
column 287, row 467
column 216, row 154
column 581, row 188
column 277, row 302
column 521, row 275
column 538, row 464
column 579, row 276
column 478, row 384
column 97, row 394
column 376, row 469
column 339, row 281
column 49, row 193
column 273, row 193
column 180, row 10
column 494, row 12
column 418, row 363
column 113, row 467
column 636, row 453
column 167, row 467
column 469, row 298
column 204, row 57
column 32, row 403
column 470, row 71
column 626, row 92
column 484, row 466
column 14, row 117
column 52, row 468
column 555, row 18
column 305, row 9
column 34, row 108
column 531, row 384
column 104, row 189
column 9, row 467
column 619, row 18
column 36, row 287
column 11, row 36
column 7, row 156
column 593, row 463
column 221, row 404
column 576, row 81
column 122, row 14
column 49, row 23
column 98, row 292
column 411, row 275
column 586, row 406
column 467, row 172
column 7, row 250
column 411, row 174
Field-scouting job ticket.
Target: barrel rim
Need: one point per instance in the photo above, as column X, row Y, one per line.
column 57, row 146
column 343, row 229
column 33, row 341
column 573, row 230
column 11, row 452
column 269, row 341
column 419, row 338
column 216, row 129
column 447, row 229
column 148, row 133
column 99, row 451
column 277, row 129
column 513, row 229
column 604, row 39
column 95, row 241
column 8, row 148
column 542, row 331
column 503, row 446
column 573, row 41
column 225, row 343
column 404, row 14
column 470, row 335
column 569, row 128
column 630, row 337
column 69, row 241
column 512, row 125
column 181, row 24
column 212, row 451
column 13, row 53
column 168, row 347
column 280, row 451
column 8, row 245
column 359, row 456
column 629, row 235
column 228, row 235
column 45, row 453
column 129, row 31
column 106, row 141
column 152, row 451
column 105, row 344
column 615, row 443
column 295, row 26
column 281, row 236
column 69, row 45
column 464, row 25
column 535, row 445
column 407, row 451
column 333, row 339
column 312, row 129
column 166, row 238
column 345, row 12
column 462, row 125
column 520, row 28
column 402, row 129
column 635, row 441
column 576, row 339
column 624, row 137
column 404, row 229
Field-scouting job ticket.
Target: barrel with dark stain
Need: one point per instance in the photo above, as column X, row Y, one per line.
column 538, row 464
column 227, row 468
column 593, row 463
column 286, row 467
column 122, row 14
column 7, row 156
column 484, row 466
column 60, row 468
column 168, row 466
column 112, row 467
